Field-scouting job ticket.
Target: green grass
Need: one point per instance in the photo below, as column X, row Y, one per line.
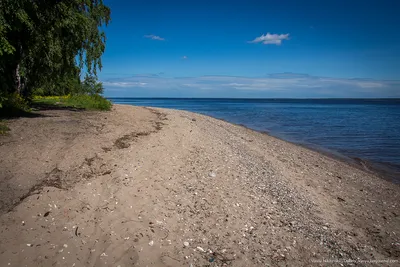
column 3, row 128
column 88, row 102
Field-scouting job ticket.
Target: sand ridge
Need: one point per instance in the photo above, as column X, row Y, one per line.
column 158, row 187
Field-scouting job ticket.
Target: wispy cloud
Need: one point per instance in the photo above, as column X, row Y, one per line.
column 184, row 57
column 154, row 37
column 269, row 38
column 274, row 85
column 126, row 84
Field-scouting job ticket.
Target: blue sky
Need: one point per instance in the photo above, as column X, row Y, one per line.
column 252, row 49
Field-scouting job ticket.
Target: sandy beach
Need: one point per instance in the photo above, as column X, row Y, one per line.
column 156, row 187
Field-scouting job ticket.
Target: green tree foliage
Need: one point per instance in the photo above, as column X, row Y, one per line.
column 44, row 45
column 91, row 86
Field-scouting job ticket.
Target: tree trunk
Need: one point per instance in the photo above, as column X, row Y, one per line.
column 17, row 70
column 17, row 77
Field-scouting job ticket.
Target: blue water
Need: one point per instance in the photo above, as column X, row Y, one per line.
column 368, row 129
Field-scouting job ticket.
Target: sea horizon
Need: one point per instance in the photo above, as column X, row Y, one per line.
column 262, row 98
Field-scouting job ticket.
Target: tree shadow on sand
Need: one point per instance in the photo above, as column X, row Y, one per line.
column 13, row 113
column 42, row 107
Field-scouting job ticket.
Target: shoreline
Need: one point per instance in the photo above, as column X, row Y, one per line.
column 160, row 187
column 381, row 170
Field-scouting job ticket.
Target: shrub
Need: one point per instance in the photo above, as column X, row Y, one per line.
column 91, row 86
column 13, row 105
column 89, row 102
column 3, row 128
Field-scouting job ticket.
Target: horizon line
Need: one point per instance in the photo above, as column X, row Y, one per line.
column 266, row 98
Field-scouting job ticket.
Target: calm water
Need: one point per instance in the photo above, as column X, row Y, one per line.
column 366, row 129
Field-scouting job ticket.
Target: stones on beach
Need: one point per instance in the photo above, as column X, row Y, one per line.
column 151, row 243
column 212, row 174
column 200, row 249
column 186, row 244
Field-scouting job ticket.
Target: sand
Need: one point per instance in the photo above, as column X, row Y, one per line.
column 157, row 187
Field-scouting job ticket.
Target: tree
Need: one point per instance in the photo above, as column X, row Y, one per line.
column 47, row 40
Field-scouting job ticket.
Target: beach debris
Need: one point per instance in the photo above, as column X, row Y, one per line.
column 46, row 214
column 23, row 223
column 29, row 245
column 200, row 249
column 186, row 244
column 151, row 243
column 106, row 172
column 103, row 255
column 65, row 246
column 212, row 259
column 212, row 174
column 76, row 231
column 340, row 199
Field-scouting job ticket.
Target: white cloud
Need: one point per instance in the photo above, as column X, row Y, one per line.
column 154, row 37
column 184, row 57
column 268, row 38
column 126, row 84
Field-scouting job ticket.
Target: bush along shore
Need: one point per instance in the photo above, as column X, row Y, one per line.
column 86, row 94
column 88, row 102
column 16, row 106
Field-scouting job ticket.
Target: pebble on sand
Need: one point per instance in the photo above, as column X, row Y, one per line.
column 200, row 249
